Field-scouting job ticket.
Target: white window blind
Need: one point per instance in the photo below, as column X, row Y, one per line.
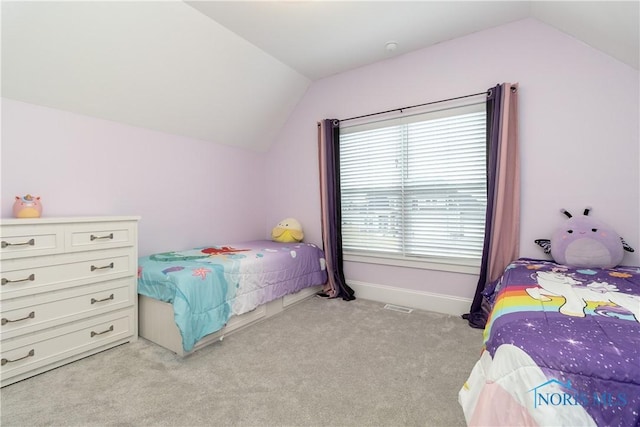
column 416, row 186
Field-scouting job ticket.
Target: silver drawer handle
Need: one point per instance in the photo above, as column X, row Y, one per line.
column 31, row 315
column 94, row 268
column 31, row 278
column 31, row 242
column 108, row 236
column 93, row 333
column 93, row 300
column 31, row 353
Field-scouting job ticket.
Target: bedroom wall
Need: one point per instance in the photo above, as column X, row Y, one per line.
column 188, row 192
column 578, row 135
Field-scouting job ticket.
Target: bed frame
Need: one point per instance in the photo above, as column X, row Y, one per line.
column 156, row 322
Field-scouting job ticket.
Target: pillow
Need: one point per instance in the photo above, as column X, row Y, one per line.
column 585, row 242
column 288, row 230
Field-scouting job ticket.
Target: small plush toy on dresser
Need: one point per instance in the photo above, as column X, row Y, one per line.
column 27, row 207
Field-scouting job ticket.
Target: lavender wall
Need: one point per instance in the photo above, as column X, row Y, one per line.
column 188, row 192
column 579, row 138
column 579, row 134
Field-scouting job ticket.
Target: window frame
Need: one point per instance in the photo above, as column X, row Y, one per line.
column 440, row 263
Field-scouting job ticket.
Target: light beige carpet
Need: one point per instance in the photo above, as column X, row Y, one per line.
column 321, row 363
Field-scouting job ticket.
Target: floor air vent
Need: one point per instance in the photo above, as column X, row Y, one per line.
column 398, row 308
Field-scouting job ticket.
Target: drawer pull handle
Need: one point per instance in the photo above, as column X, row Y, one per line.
column 93, row 333
column 93, row 300
column 31, row 315
column 31, row 353
column 94, row 268
column 31, row 242
column 31, row 278
column 108, row 236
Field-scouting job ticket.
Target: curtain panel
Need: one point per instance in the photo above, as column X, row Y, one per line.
column 502, row 220
column 329, row 159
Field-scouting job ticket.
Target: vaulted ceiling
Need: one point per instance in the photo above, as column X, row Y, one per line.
column 232, row 71
column 320, row 38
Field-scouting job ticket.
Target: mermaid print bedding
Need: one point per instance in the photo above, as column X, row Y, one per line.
column 206, row 286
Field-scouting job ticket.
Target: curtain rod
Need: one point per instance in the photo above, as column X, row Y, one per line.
column 414, row 106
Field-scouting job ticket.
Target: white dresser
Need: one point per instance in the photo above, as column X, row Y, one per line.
column 68, row 290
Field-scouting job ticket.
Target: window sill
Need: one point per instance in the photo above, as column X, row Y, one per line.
column 448, row 265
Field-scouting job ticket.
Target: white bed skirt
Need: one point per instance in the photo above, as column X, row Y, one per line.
column 156, row 322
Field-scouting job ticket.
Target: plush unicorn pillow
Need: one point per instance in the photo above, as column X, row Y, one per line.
column 585, row 242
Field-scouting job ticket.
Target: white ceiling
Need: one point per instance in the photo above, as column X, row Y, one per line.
column 206, row 68
column 321, row 38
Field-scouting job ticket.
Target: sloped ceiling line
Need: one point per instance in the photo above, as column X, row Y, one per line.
column 231, row 72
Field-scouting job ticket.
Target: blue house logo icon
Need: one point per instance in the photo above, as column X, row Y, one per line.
column 554, row 398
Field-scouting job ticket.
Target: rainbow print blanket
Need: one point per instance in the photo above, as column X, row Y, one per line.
column 563, row 344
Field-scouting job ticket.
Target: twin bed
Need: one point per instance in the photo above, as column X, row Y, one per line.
column 188, row 299
column 562, row 347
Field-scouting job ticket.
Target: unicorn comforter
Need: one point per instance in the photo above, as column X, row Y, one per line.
column 562, row 347
column 206, row 286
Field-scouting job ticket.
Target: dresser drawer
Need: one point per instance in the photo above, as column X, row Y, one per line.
column 63, row 271
column 30, row 240
column 27, row 355
column 100, row 235
column 67, row 290
column 30, row 314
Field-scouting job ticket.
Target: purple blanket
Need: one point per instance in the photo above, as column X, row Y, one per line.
column 581, row 327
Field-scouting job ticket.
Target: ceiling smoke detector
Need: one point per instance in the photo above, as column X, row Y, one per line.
column 391, row 46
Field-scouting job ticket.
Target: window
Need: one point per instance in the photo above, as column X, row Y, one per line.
column 415, row 187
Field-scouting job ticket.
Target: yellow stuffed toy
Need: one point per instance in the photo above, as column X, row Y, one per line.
column 288, row 230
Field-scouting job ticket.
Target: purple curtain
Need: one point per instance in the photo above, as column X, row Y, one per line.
column 502, row 220
column 329, row 156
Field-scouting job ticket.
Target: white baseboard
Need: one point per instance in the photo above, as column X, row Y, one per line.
column 420, row 300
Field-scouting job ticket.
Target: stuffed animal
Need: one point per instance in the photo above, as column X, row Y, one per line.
column 27, row 207
column 585, row 242
column 287, row 231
